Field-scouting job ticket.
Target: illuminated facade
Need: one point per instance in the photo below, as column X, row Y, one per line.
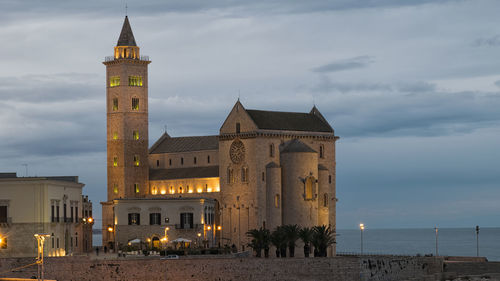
column 263, row 168
column 55, row 206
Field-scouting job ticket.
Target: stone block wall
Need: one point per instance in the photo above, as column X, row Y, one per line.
column 226, row 269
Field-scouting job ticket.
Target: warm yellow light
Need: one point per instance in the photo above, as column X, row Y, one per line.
column 209, row 227
column 110, row 229
column 217, row 188
column 209, row 189
column 163, row 191
column 168, row 228
column 172, row 191
column 361, row 226
column 219, row 227
column 199, row 234
column 115, row 135
column 190, row 190
column 199, row 190
column 149, row 240
column 91, row 220
column 84, row 219
column 154, row 191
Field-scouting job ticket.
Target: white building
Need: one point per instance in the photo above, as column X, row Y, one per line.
column 43, row 205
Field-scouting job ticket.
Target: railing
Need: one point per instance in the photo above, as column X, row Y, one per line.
column 112, row 58
column 379, row 254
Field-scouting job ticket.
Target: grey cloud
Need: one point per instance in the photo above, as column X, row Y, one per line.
column 497, row 83
column 117, row 7
column 51, row 88
column 346, row 64
column 489, row 42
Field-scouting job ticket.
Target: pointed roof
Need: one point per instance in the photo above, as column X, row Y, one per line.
column 126, row 36
column 296, row 145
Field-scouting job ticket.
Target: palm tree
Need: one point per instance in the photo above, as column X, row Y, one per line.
column 261, row 239
column 278, row 238
column 323, row 237
column 266, row 241
column 306, row 235
column 291, row 235
column 256, row 243
column 276, row 241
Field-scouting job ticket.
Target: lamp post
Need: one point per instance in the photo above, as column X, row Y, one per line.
column 209, row 236
column 361, row 228
column 166, row 233
column 40, row 239
column 199, row 235
column 477, row 240
column 436, row 229
column 219, row 228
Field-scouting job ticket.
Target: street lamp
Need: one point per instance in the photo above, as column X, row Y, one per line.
column 477, row 240
column 199, row 235
column 40, row 239
column 436, row 229
column 361, row 228
column 166, row 234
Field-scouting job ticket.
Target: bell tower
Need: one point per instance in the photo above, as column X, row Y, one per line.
column 127, row 118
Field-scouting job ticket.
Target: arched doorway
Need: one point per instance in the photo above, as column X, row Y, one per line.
column 155, row 242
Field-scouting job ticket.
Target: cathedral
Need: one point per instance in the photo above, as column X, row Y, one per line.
column 262, row 169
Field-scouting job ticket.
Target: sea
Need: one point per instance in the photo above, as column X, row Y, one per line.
column 414, row 241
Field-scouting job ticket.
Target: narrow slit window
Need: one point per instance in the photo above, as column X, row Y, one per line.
column 157, row 163
column 135, row 135
column 115, row 188
column 136, row 160
column 136, row 188
column 194, row 160
column 115, row 161
column 208, row 159
column 321, row 151
column 115, row 135
column 238, row 128
column 115, row 104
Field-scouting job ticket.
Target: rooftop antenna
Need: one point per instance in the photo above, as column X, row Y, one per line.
column 26, row 167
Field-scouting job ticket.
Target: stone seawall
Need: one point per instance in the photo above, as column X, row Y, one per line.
column 385, row 268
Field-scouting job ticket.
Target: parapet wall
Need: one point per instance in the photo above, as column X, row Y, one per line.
column 385, row 268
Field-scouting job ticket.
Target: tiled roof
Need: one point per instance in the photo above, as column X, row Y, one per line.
column 126, row 36
column 289, row 121
column 184, row 173
column 296, row 145
column 185, row 144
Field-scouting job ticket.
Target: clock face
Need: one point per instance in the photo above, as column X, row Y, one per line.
column 237, row 152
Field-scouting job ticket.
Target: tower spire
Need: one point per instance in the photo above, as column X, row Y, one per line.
column 126, row 36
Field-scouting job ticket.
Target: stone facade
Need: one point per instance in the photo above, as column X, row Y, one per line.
column 55, row 207
column 263, row 169
column 384, row 268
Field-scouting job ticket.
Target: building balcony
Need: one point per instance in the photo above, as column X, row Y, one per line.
column 112, row 58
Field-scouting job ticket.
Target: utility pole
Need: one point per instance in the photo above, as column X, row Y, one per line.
column 436, row 229
column 477, row 240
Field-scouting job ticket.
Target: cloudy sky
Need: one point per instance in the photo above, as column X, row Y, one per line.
column 411, row 87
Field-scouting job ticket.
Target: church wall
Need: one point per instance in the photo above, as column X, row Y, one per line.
column 323, row 197
column 197, row 187
column 274, row 196
column 296, row 167
column 201, row 159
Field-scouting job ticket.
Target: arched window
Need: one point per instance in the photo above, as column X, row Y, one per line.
column 194, row 160
column 244, row 174
column 181, row 190
column 271, row 150
column 325, row 200
column 115, row 135
column 136, row 160
column 277, row 200
column 329, row 178
column 230, row 175
column 157, row 163
column 182, row 161
column 154, row 190
column 115, row 188
column 208, row 159
column 321, row 151
column 238, row 129
column 172, row 191
column 115, row 161
column 309, row 188
column 136, row 187
column 135, row 103
column 135, row 135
